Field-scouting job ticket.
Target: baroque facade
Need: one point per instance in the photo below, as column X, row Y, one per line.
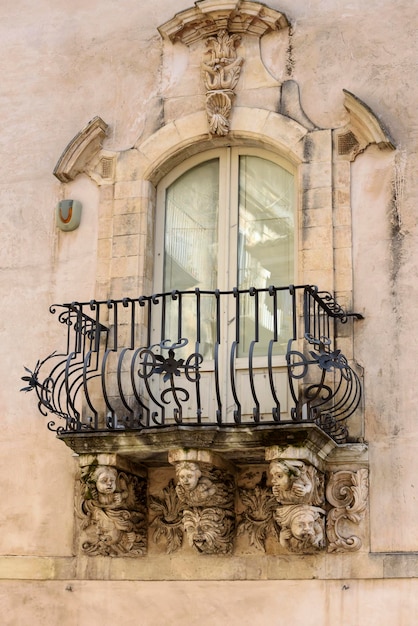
column 225, row 249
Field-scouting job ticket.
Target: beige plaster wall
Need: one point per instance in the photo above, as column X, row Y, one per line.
column 346, row 603
column 63, row 63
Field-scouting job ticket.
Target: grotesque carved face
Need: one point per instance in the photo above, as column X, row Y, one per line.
column 209, row 531
column 188, row 475
column 106, row 480
column 303, row 525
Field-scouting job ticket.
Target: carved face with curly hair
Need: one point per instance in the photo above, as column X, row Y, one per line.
column 209, row 530
column 105, row 478
column 188, row 474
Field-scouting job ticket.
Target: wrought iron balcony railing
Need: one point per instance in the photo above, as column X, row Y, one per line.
column 257, row 356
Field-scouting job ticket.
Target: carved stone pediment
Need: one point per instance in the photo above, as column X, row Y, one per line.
column 208, row 17
column 363, row 129
column 81, row 150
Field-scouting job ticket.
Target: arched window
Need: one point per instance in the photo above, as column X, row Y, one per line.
column 228, row 218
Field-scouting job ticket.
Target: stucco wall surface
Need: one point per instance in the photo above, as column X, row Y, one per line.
column 311, row 603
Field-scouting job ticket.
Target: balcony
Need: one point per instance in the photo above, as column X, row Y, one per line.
column 232, row 361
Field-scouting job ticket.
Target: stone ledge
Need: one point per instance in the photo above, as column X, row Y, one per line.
column 260, row 567
column 237, row 444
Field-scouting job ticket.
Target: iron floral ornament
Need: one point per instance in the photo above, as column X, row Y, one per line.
column 171, row 368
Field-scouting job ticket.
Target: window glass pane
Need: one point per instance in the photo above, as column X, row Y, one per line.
column 265, row 244
column 191, row 244
column 191, row 229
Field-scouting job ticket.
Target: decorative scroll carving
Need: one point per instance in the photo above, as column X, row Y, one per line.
column 295, row 482
column 363, row 129
column 301, row 527
column 347, row 492
column 112, row 510
column 257, row 520
column 221, row 74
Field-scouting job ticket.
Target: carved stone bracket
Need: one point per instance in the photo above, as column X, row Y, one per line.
column 347, row 492
column 198, row 505
column 298, row 488
column 111, row 508
column 295, row 502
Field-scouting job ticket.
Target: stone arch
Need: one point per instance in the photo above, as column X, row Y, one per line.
column 188, row 136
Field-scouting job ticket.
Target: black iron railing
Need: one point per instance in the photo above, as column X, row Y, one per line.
column 257, row 356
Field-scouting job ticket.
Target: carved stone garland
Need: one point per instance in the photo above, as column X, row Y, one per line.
column 111, row 506
column 221, row 74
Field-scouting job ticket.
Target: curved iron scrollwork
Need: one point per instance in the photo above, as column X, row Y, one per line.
column 331, row 391
column 119, row 371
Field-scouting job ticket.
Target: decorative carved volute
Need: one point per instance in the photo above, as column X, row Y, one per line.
column 347, row 492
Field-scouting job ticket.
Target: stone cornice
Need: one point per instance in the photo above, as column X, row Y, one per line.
column 81, row 149
column 208, row 17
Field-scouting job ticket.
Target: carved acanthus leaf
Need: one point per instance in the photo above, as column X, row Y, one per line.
column 257, row 518
column 168, row 520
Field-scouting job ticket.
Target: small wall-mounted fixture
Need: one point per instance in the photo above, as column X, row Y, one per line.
column 68, row 214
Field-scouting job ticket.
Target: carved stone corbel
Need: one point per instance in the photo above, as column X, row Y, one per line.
column 347, row 492
column 111, row 508
column 206, row 491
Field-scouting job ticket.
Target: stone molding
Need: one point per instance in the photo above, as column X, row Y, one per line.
column 208, row 17
column 363, row 129
column 81, row 149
